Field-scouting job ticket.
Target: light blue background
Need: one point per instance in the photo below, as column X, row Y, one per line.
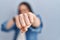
column 48, row 9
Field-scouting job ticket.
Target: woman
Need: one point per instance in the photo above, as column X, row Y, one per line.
column 26, row 21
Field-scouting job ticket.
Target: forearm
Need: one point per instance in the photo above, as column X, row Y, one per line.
column 9, row 24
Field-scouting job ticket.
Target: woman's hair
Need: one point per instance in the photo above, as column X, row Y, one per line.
column 27, row 4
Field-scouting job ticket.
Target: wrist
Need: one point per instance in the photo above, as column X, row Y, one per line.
column 36, row 22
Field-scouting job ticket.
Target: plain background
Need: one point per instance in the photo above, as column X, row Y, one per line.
column 48, row 9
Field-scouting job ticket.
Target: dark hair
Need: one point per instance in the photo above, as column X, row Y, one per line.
column 27, row 4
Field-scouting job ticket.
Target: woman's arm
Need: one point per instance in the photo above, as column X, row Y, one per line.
column 37, row 26
column 8, row 25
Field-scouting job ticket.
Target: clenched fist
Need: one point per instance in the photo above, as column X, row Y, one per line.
column 24, row 21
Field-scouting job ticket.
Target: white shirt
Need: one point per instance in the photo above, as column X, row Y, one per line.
column 21, row 36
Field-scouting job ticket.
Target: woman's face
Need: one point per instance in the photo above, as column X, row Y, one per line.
column 23, row 9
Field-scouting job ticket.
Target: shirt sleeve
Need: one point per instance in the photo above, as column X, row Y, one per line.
column 3, row 26
column 38, row 29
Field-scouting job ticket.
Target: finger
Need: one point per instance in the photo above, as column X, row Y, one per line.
column 22, row 20
column 26, row 19
column 30, row 17
column 18, row 22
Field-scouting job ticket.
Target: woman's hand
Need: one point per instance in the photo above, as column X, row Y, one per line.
column 34, row 20
column 25, row 20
